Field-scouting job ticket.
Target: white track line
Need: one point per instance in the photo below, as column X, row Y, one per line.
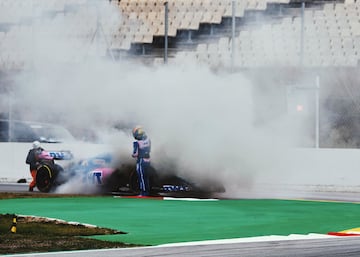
column 252, row 239
column 189, row 199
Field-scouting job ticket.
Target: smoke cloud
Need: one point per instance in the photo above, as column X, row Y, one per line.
column 203, row 122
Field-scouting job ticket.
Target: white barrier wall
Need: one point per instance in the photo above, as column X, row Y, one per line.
column 302, row 173
column 317, row 166
column 298, row 169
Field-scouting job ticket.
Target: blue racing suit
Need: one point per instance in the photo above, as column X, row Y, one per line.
column 141, row 151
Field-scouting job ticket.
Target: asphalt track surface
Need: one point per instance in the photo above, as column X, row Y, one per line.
column 299, row 226
column 345, row 247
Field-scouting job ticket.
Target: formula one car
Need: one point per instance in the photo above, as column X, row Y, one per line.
column 107, row 176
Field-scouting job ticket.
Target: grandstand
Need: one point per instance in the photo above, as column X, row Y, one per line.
column 224, row 35
column 267, row 33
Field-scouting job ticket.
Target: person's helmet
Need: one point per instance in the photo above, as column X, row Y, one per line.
column 36, row 145
column 138, row 133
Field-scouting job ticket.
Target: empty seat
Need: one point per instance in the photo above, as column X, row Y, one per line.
column 224, row 44
column 201, row 48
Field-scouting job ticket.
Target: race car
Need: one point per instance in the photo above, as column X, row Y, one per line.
column 105, row 174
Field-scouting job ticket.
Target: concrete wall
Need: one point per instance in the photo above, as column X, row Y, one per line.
column 304, row 173
column 315, row 170
column 317, row 166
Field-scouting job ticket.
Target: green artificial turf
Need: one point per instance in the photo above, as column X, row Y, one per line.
column 154, row 222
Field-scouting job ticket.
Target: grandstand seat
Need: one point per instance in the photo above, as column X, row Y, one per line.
column 152, row 17
column 239, row 9
column 176, row 19
column 224, row 44
column 201, row 48
column 216, row 17
column 201, row 57
column 184, row 20
column 158, row 61
column 228, row 9
column 195, row 21
column 281, row 1
column 348, row 46
column 345, row 31
column 329, row 9
column 213, row 48
column 261, row 5
column 251, row 4
column 207, row 17
column 214, row 59
column 219, row 6
column 352, row 12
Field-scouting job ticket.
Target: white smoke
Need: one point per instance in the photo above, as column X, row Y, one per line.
column 76, row 185
column 202, row 121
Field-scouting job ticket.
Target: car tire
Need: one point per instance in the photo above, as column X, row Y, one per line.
column 44, row 178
